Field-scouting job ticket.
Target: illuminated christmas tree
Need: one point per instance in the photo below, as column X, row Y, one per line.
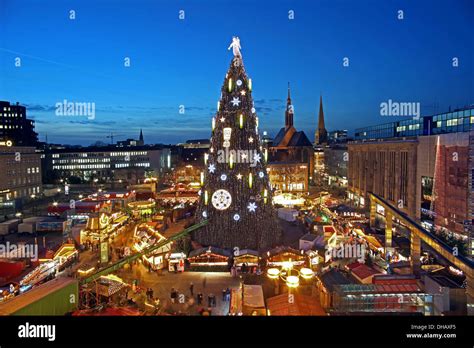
column 236, row 196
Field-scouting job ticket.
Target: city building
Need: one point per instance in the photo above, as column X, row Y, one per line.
column 336, row 157
column 20, row 176
column 338, row 136
column 15, row 128
column 188, row 159
column 291, row 158
column 109, row 163
column 423, row 167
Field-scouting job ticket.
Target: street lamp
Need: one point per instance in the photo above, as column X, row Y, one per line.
column 289, row 274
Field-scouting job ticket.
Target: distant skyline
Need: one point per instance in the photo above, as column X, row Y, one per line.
column 176, row 62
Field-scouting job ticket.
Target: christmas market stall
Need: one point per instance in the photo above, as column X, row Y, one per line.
column 247, row 260
column 107, row 289
column 289, row 200
column 65, row 256
column 176, row 262
column 102, row 227
column 281, row 255
column 146, row 235
column 209, row 259
column 142, row 208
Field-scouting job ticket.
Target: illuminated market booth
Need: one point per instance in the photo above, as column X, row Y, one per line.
column 248, row 257
column 85, row 270
column 65, row 256
column 289, row 200
column 106, row 289
column 180, row 193
column 146, row 235
column 142, row 208
column 102, row 227
column 116, row 200
column 48, row 267
column 210, row 258
column 281, row 255
column 176, row 262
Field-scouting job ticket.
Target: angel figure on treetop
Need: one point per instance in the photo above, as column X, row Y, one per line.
column 235, row 45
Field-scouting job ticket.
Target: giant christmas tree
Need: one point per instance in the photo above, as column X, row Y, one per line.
column 236, row 196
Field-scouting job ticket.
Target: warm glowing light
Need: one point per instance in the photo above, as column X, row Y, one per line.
column 292, row 281
column 287, row 264
column 206, row 157
column 306, row 273
column 288, row 200
column 241, row 121
column 250, row 84
column 265, row 154
column 230, row 85
column 250, row 180
column 265, row 196
column 231, row 161
column 213, row 123
column 202, row 178
column 218, row 105
column 273, row 273
column 206, row 197
column 256, row 121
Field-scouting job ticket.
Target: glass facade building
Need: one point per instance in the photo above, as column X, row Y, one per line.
column 450, row 122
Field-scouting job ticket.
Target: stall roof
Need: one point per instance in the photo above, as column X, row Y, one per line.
column 309, row 237
column 332, row 278
column 281, row 250
column 18, row 302
column 251, row 252
column 210, row 249
column 377, row 288
column 253, row 296
column 302, row 306
column 361, row 271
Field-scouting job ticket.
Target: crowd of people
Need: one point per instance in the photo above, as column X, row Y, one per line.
column 177, row 297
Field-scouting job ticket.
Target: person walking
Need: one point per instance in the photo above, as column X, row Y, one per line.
column 199, row 298
column 224, row 294
column 209, row 300
column 191, row 288
column 173, row 295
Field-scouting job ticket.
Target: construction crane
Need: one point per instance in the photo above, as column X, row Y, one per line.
column 112, row 136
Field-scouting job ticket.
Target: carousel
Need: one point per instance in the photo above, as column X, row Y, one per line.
column 142, row 208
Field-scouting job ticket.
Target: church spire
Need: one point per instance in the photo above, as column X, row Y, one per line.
column 141, row 136
column 289, row 110
column 321, row 135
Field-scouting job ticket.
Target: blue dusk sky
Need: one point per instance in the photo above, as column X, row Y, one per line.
column 183, row 62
